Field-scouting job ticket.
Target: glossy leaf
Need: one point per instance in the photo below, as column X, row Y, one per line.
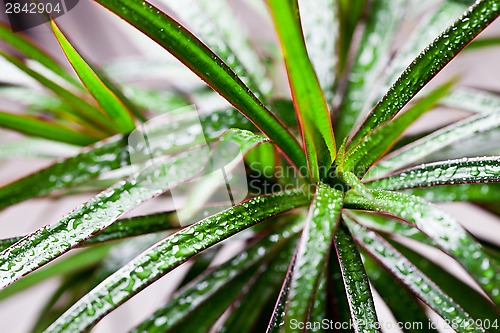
column 433, row 22
column 208, row 66
column 359, row 296
column 44, row 129
column 321, row 47
column 318, row 313
column 470, row 299
column 170, row 253
column 402, row 303
column 103, row 94
column 205, row 290
column 29, row 49
column 107, row 155
column 336, row 292
column 463, row 171
column 101, row 211
column 350, row 13
column 472, row 100
column 375, row 43
column 414, row 279
column 459, row 192
column 246, row 312
column 309, row 101
column 362, row 155
column 442, row 229
column 123, row 228
column 79, row 106
column 205, row 19
column 432, row 60
column 420, row 149
column 72, row 263
column 312, row 253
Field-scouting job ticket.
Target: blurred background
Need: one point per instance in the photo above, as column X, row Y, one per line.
column 130, row 57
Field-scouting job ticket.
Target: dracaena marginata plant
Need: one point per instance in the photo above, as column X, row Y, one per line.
column 345, row 218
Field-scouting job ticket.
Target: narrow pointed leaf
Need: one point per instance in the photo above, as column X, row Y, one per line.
column 208, row 66
column 375, row 44
column 321, row 47
column 414, row 279
column 204, row 18
column 362, row 155
column 107, row 155
column 336, row 293
column 472, row 100
column 318, row 314
column 123, row 228
column 30, row 50
column 443, row 230
column 201, row 263
column 205, row 290
column 168, row 254
column 44, row 129
column 432, row 60
column 72, row 263
column 309, row 101
column 420, row 149
column 102, row 210
column 359, row 297
column 80, row 107
column 482, row 43
column 350, row 13
column 247, row 311
column 470, row 299
column 108, row 101
column 431, row 25
column 312, row 254
column 463, row 171
column 403, row 304
column 459, row 192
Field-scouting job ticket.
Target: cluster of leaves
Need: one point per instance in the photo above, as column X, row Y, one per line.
column 360, row 190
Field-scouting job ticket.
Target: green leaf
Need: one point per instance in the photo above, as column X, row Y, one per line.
column 318, row 313
column 114, row 108
column 362, row 155
column 484, row 42
column 312, row 254
column 403, row 304
column 170, row 253
column 459, row 192
column 432, row 23
column 321, row 47
column 208, row 66
column 375, row 44
column 420, row 149
column 30, row 50
column 442, row 229
column 336, row 292
column 432, row 60
column 102, row 210
column 359, row 296
column 462, row 171
column 472, row 100
column 123, row 228
column 107, row 155
column 310, row 103
column 217, row 288
column 469, row 299
column 414, row 279
column 278, row 314
column 250, row 307
column 44, row 129
column 350, row 13
column 73, row 263
column 79, row 106
column 36, row 148
column 200, row 263
column 205, row 19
